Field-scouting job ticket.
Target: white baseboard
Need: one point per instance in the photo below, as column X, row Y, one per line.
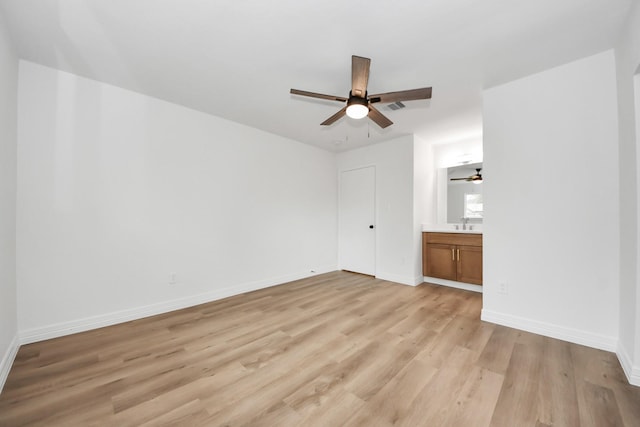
column 453, row 284
column 632, row 372
column 403, row 280
column 7, row 360
column 576, row 336
column 108, row 319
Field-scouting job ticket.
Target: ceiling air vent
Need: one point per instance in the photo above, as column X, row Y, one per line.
column 396, row 106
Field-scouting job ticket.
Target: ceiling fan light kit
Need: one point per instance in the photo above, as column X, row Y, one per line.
column 359, row 103
column 357, row 107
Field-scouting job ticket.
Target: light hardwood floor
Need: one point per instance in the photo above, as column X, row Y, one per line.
column 338, row 349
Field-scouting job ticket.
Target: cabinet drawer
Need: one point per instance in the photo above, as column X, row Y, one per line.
column 453, row 239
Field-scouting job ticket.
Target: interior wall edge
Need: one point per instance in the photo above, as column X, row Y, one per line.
column 108, row 319
column 576, row 336
column 7, row 360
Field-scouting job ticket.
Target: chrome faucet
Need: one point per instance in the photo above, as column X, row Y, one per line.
column 464, row 222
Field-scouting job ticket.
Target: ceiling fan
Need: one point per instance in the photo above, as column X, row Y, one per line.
column 476, row 178
column 359, row 102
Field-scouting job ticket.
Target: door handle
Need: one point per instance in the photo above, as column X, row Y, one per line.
column 371, row 226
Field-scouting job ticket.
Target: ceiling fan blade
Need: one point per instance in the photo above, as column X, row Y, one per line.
column 403, row 95
column 318, row 95
column 335, row 117
column 461, row 179
column 380, row 119
column 359, row 75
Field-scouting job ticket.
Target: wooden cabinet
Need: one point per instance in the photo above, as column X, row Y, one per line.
column 453, row 256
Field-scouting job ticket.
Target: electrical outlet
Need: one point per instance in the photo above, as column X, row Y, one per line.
column 173, row 278
column 503, row 289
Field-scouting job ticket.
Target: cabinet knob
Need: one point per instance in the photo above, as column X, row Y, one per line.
column 371, row 226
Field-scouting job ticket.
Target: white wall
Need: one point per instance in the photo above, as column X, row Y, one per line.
column 424, row 196
column 552, row 204
column 117, row 190
column 628, row 63
column 8, row 111
column 395, row 251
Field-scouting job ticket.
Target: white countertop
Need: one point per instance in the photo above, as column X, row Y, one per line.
column 451, row 228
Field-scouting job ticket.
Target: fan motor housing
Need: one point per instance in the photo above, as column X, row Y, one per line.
column 358, row 100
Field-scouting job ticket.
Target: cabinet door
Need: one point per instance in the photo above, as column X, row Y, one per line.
column 440, row 261
column 469, row 264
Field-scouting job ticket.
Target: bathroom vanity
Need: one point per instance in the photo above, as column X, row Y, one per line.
column 455, row 256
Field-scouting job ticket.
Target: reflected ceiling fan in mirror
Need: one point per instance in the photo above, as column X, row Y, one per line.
column 359, row 104
column 475, row 178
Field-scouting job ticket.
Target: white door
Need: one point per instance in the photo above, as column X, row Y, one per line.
column 356, row 219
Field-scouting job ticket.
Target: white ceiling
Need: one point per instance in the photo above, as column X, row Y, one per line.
column 238, row 59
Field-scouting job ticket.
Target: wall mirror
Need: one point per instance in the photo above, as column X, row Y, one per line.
column 459, row 198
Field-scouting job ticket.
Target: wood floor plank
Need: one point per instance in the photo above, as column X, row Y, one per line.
column 337, row 407
column 432, row 405
column 478, row 396
column 598, row 407
column 557, row 400
column 517, row 404
column 497, row 352
column 337, row 349
column 189, row 414
column 455, row 334
column 405, row 387
column 628, row 398
column 252, row 402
